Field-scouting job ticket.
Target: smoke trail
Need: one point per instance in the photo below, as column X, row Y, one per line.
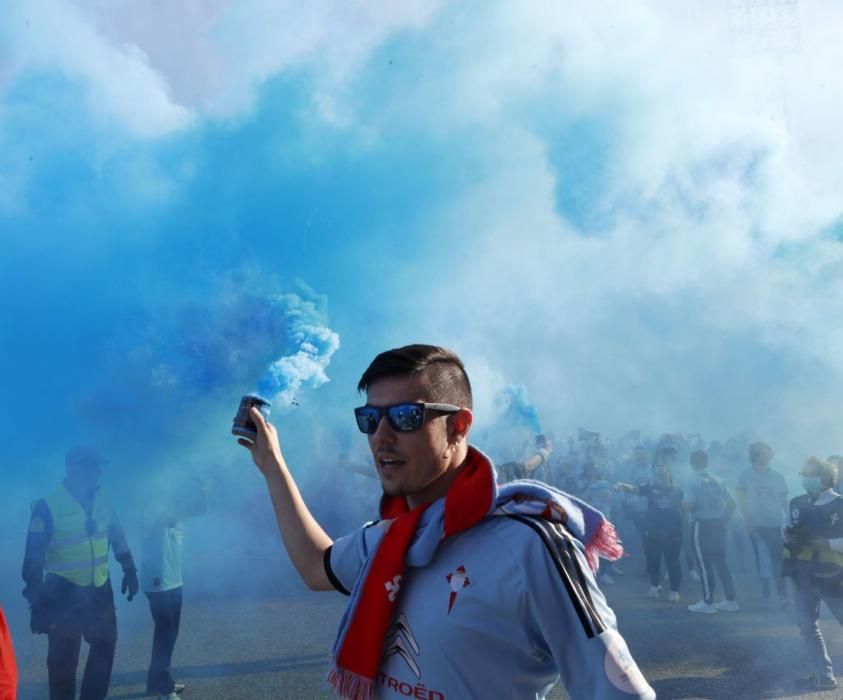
column 199, row 346
column 517, row 408
column 311, row 344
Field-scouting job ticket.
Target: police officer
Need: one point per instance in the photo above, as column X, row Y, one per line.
column 67, row 581
column 813, row 558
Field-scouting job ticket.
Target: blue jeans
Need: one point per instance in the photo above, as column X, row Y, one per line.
column 807, row 598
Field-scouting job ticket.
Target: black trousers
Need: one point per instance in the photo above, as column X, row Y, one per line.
column 80, row 611
column 709, row 542
column 165, row 607
column 660, row 545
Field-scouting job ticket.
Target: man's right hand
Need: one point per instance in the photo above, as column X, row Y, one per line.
column 266, row 450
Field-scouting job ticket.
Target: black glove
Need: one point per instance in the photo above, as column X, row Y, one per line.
column 40, row 621
column 130, row 583
column 39, row 610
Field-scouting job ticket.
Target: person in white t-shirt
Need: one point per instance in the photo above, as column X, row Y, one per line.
column 161, row 579
column 762, row 495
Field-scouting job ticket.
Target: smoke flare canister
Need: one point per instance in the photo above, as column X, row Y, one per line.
column 243, row 425
column 541, row 440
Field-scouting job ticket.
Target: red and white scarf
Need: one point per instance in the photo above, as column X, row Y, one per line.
column 472, row 496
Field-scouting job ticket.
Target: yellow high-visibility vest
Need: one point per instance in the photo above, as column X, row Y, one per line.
column 812, row 561
column 78, row 549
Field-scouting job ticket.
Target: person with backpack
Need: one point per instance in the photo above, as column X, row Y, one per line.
column 710, row 505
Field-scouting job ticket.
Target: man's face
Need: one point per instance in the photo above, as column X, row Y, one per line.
column 409, row 464
column 86, row 476
column 759, row 459
column 668, row 459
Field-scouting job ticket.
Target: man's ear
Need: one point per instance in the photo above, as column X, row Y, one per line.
column 460, row 424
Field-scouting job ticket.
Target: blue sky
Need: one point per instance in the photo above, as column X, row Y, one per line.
column 626, row 211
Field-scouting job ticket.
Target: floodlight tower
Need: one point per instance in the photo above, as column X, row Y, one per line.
column 768, row 27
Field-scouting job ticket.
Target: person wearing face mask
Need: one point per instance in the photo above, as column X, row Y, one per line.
column 662, row 528
column 813, row 559
column 65, row 569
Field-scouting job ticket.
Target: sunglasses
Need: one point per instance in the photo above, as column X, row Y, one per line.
column 403, row 417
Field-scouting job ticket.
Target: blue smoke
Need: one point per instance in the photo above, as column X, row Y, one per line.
column 311, row 346
column 517, row 408
column 196, row 348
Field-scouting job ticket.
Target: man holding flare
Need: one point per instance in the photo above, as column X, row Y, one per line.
column 462, row 589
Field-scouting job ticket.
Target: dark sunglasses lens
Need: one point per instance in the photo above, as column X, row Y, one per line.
column 367, row 419
column 406, row 417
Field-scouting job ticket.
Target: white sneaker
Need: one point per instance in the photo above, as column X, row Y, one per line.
column 169, row 696
column 702, row 607
column 654, row 592
column 728, row 606
column 673, row 596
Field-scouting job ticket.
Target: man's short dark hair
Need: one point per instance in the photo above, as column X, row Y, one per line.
column 442, row 372
column 760, row 450
column 699, row 459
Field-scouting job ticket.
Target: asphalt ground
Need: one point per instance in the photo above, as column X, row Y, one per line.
column 277, row 646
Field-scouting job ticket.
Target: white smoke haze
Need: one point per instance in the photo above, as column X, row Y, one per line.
column 155, row 67
column 720, row 204
column 54, row 35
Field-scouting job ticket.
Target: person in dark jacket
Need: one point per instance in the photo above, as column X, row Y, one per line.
column 813, row 559
column 661, row 528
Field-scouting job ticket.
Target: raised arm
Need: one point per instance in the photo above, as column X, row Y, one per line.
column 304, row 539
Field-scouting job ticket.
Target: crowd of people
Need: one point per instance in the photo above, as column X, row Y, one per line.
column 696, row 511
column 726, row 508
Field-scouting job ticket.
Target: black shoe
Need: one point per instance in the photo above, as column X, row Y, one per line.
column 815, row 682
